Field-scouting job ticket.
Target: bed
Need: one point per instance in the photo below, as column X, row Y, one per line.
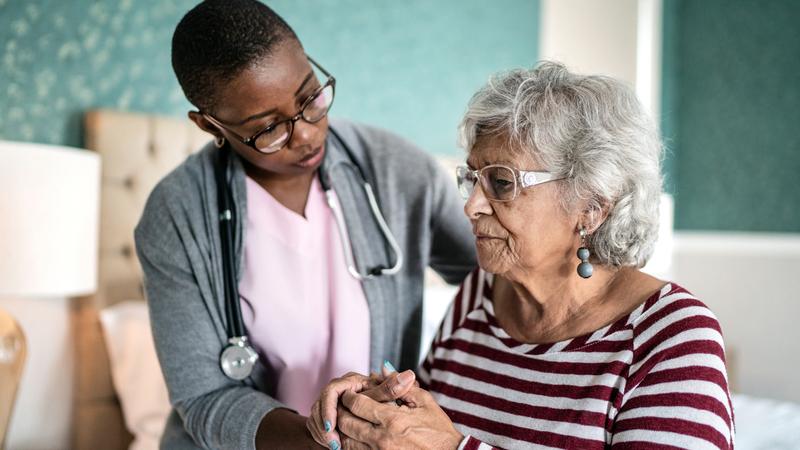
column 137, row 150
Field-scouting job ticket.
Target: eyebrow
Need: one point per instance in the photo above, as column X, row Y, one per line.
column 308, row 77
column 503, row 162
column 303, row 84
column 485, row 162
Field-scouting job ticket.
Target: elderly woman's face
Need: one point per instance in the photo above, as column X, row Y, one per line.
column 531, row 232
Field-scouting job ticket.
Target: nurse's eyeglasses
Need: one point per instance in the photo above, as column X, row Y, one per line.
column 276, row 135
column 499, row 183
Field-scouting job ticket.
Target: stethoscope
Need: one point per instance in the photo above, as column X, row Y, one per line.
column 238, row 358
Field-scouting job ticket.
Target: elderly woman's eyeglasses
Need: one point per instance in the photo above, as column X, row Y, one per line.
column 499, row 183
column 276, row 135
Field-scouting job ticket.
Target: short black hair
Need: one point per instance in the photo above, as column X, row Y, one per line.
column 218, row 39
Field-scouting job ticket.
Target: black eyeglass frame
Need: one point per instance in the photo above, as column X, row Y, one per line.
column 251, row 141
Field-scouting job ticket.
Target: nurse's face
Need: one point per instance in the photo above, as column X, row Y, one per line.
column 272, row 90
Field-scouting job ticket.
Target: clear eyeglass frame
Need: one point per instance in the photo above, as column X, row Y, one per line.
column 504, row 177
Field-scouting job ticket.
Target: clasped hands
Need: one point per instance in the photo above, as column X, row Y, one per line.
column 380, row 411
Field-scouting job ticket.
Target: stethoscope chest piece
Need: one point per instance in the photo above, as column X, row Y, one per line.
column 238, row 358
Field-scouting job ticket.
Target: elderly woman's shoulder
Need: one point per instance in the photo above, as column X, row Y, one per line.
column 674, row 320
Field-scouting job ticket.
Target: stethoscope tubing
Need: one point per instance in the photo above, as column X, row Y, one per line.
column 233, row 311
column 238, row 356
column 376, row 214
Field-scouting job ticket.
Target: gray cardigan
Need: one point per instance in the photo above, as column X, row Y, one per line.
column 177, row 241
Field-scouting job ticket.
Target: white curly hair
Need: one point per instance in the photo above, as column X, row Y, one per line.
column 591, row 130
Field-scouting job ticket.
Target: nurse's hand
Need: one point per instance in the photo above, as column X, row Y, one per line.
column 322, row 421
column 417, row 424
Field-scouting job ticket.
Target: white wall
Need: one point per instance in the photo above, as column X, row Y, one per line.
column 597, row 36
column 41, row 417
column 752, row 283
column 619, row 38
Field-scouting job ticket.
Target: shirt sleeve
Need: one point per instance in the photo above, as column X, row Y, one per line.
column 677, row 390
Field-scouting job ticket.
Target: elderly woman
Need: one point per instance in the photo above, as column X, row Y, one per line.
column 558, row 339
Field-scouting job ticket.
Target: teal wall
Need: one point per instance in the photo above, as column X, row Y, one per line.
column 731, row 113
column 412, row 65
column 60, row 58
column 409, row 66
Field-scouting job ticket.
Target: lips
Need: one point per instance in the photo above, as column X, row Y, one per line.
column 312, row 159
column 482, row 233
column 314, row 153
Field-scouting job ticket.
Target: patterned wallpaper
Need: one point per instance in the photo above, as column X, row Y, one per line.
column 410, row 66
column 59, row 58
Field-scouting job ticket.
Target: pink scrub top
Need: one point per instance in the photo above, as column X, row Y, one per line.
column 305, row 314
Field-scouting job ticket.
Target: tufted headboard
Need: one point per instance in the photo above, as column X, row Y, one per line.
column 137, row 150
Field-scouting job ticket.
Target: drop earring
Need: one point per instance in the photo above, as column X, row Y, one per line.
column 219, row 141
column 585, row 268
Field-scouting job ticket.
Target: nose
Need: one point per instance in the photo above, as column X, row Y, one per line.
column 477, row 204
column 303, row 133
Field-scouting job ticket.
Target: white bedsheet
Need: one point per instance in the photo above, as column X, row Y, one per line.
column 766, row 424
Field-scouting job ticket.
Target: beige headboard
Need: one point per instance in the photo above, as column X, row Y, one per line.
column 137, row 150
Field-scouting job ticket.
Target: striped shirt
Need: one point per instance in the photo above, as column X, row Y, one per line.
column 655, row 378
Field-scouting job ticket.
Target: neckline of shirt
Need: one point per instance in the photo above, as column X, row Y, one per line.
column 576, row 343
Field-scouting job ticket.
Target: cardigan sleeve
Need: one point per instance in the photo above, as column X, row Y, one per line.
column 217, row 412
column 453, row 253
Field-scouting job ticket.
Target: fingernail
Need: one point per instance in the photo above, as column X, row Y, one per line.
column 333, row 445
column 389, row 365
column 328, row 427
column 405, row 377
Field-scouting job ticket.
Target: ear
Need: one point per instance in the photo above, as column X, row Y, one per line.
column 594, row 214
column 204, row 124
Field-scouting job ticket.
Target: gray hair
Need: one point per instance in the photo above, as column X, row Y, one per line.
column 590, row 129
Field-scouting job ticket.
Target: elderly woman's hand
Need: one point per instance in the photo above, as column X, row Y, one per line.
column 417, row 424
column 322, row 421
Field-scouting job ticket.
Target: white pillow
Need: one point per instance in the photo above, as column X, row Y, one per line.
column 135, row 372
column 438, row 296
column 766, row 423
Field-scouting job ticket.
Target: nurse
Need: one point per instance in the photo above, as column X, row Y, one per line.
column 318, row 297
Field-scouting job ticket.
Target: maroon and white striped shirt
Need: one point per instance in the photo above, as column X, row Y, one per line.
column 654, row 379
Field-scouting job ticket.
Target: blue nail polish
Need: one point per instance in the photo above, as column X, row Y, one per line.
column 333, row 445
column 327, row 426
column 389, row 366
